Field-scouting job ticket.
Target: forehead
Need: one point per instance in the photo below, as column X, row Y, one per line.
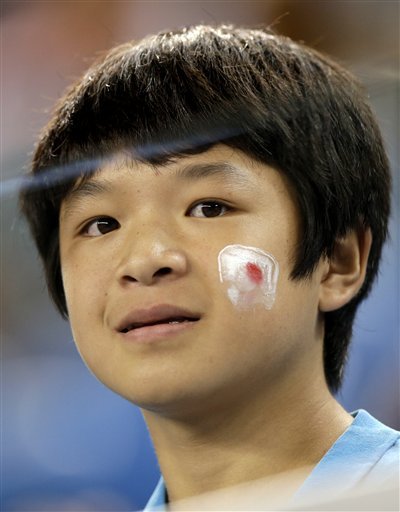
column 219, row 161
column 220, row 165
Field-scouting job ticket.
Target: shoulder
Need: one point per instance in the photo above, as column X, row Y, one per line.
column 372, row 437
column 383, row 445
column 365, row 455
column 368, row 445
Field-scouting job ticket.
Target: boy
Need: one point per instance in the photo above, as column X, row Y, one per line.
column 215, row 207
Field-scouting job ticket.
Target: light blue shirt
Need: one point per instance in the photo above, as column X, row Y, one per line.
column 368, row 451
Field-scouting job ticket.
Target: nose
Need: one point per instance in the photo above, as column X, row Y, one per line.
column 152, row 258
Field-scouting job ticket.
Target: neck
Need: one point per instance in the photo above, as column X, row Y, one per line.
column 278, row 430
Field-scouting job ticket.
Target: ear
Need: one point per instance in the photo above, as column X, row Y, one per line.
column 344, row 272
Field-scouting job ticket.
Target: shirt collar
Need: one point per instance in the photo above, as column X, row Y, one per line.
column 158, row 500
column 349, row 459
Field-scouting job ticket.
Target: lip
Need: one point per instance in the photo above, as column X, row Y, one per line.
column 146, row 325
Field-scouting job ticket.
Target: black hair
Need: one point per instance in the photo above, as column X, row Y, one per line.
column 278, row 101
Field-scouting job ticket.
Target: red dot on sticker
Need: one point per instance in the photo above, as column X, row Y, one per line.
column 254, row 273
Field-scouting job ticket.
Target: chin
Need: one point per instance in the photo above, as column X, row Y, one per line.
column 174, row 402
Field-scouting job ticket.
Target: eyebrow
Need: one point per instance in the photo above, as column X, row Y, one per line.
column 91, row 187
column 221, row 170
column 95, row 186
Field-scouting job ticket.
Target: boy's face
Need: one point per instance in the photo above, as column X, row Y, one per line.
column 139, row 247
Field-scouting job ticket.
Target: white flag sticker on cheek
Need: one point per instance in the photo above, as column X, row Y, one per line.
column 251, row 275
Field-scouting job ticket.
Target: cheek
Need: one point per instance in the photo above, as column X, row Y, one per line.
column 84, row 286
column 84, row 291
column 250, row 276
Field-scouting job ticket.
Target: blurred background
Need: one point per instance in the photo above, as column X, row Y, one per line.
column 67, row 442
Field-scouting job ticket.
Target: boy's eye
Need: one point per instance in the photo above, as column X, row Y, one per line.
column 208, row 209
column 100, row 226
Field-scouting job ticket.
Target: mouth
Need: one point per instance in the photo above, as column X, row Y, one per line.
column 169, row 321
column 158, row 315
